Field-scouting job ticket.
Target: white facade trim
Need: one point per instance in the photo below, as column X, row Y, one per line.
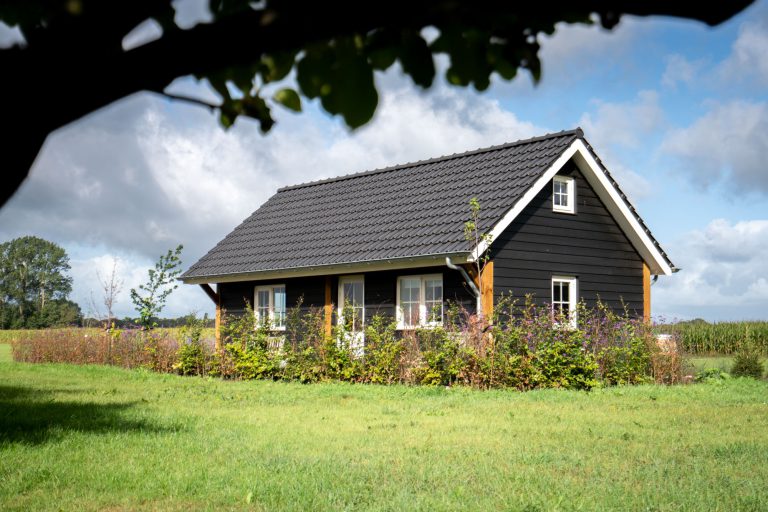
column 604, row 189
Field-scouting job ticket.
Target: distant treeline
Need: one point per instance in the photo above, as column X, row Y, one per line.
column 128, row 323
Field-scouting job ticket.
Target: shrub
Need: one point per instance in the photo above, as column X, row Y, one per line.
column 192, row 358
column 711, row 374
column 747, row 363
column 521, row 347
column 384, row 351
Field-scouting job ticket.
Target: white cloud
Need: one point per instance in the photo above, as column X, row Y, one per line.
column 680, row 70
column 726, row 145
column 145, row 32
column 147, row 174
column 723, row 274
column 11, row 36
column 624, row 124
column 576, row 46
column 616, row 126
column 748, row 60
column 90, row 263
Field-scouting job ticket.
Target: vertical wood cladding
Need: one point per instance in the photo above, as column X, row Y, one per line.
column 311, row 290
column 588, row 244
column 380, row 291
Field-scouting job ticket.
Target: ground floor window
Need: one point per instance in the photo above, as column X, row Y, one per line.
column 352, row 302
column 269, row 305
column 419, row 301
column 565, row 297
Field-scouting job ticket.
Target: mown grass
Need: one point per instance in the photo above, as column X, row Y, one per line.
column 724, row 363
column 94, row 438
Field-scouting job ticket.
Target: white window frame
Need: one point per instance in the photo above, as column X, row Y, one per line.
column 570, row 191
column 573, row 296
column 357, row 278
column 271, row 305
column 423, row 278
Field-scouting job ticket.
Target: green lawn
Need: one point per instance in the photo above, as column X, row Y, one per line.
column 724, row 363
column 95, row 438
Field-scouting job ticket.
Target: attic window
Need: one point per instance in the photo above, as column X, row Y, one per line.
column 563, row 194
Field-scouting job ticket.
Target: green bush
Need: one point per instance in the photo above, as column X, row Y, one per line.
column 384, row 350
column 746, row 363
column 191, row 357
column 563, row 361
column 711, row 374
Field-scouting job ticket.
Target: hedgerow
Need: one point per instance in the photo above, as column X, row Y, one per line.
column 521, row 346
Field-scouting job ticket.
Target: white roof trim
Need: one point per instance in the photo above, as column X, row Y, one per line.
column 605, row 190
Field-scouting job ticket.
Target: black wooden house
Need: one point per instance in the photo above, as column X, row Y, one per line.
column 392, row 240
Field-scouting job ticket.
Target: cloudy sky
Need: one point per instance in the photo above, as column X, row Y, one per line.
column 677, row 110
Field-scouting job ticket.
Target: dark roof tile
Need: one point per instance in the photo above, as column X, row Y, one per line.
column 407, row 210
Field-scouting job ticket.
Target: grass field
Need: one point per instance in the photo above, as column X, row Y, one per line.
column 96, row 438
column 724, row 363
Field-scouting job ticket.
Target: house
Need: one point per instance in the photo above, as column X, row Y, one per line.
column 392, row 240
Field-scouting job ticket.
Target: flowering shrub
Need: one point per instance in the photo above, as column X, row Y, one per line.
column 521, row 346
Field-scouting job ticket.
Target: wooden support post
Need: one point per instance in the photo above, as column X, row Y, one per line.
column 328, row 306
column 484, row 284
column 487, row 290
column 215, row 296
column 217, row 322
column 646, row 293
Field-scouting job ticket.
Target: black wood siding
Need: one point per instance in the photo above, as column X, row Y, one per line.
column 589, row 245
column 234, row 296
column 380, row 291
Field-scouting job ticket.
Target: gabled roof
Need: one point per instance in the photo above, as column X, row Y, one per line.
column 409, row 211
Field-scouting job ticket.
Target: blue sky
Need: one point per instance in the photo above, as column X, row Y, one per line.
column 677, row 111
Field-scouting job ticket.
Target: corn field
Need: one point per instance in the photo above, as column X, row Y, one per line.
column 723, row 338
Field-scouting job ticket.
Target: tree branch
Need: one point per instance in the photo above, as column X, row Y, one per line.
column 188, row 99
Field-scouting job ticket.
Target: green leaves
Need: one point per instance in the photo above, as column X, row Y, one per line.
column 289, row 99
column 33, row 276
column 386, row 46
column 341, row 76
column 160, row 283
column 340, row 71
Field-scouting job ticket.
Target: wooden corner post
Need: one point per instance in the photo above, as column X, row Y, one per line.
column 215, row 296
column 487, row 290
column 328, row 306
column 646, row 293
column 217, row 321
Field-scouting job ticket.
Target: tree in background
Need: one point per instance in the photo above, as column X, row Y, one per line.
column 111, row 285
column 251, row 52
column 34, row 284
column 160, row 283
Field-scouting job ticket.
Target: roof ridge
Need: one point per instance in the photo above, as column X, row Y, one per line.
column 578, row 132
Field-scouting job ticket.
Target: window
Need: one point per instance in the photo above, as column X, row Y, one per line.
column 270, row 305
column 419, row 301
column 352, row 302
column 564, row 297
column 563, row 194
